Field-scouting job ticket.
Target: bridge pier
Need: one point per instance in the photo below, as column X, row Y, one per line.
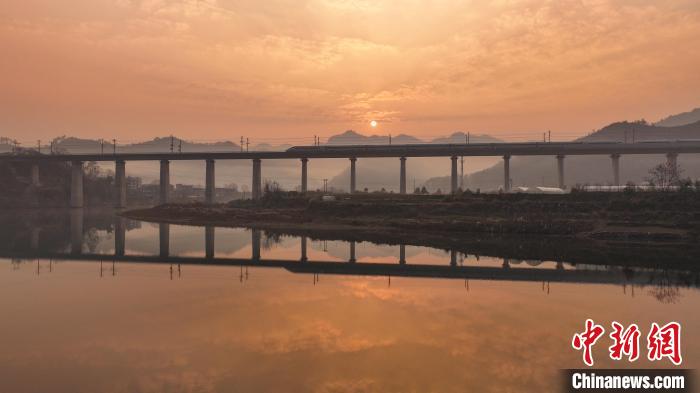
column 506, row 173
column 353, row 175
column 453, row 258
column 76, row 184
column 209, row 236
column 304, row 175
column 352, row 258
column 164, row 239
column 257, row 179
column 76, row 231
column 616, row 168
column 119, row 236
column 209, row 182
column 35, row 174
column 560, row 171
column 453, row 175
column 120, row 183
column 402, row 176
column 255, row 244
column 164, row 181
column 402, row 254
column 303, row 249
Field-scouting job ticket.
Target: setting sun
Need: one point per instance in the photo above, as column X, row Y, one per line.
column 373, row 123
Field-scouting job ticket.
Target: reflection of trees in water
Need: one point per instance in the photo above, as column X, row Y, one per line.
column 271, row 239
column 666, row 294
column 91, row 239
column 50, row 229
column 666, row 287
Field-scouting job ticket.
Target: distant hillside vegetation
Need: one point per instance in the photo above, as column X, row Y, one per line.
column 680, row 119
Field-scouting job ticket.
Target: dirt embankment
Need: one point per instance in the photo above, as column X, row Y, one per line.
column 648, row 217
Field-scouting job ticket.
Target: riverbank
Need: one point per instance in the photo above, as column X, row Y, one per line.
column 661, row 217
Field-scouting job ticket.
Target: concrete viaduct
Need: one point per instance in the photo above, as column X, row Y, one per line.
column 559, row 150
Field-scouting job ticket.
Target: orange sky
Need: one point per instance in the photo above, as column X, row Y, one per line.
column 290, row 69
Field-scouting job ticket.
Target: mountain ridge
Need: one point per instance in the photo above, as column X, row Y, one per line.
column 680, row 119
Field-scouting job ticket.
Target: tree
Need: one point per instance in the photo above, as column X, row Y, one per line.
column 665, row 175
column 271, row 186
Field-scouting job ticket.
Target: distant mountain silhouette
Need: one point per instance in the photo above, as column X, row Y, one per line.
column 353, row 138
column 158, row 144
column 641, row 131
column 680, row 119
column 541, row 171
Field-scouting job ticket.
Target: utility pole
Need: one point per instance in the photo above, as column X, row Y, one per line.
column 247, row 144
column 179, row 147
column 549, row 135
column 241, row 144
column 102, row 146
column 38, row 146
column 390, row 139
column 461, row 177
column 114, row 146
column 172, row 142
column 325, row 186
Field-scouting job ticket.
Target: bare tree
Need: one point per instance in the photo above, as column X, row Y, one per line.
column 665, row 175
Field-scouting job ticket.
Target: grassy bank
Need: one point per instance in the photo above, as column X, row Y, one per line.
column 635, row 216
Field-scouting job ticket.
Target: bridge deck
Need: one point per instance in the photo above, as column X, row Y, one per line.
column 414, row 150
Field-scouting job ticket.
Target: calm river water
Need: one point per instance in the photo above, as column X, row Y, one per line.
column 77, row 319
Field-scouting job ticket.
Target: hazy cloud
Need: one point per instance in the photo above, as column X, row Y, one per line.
column 198, row 67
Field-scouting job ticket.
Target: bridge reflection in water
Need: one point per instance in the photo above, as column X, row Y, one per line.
column 508, row 270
